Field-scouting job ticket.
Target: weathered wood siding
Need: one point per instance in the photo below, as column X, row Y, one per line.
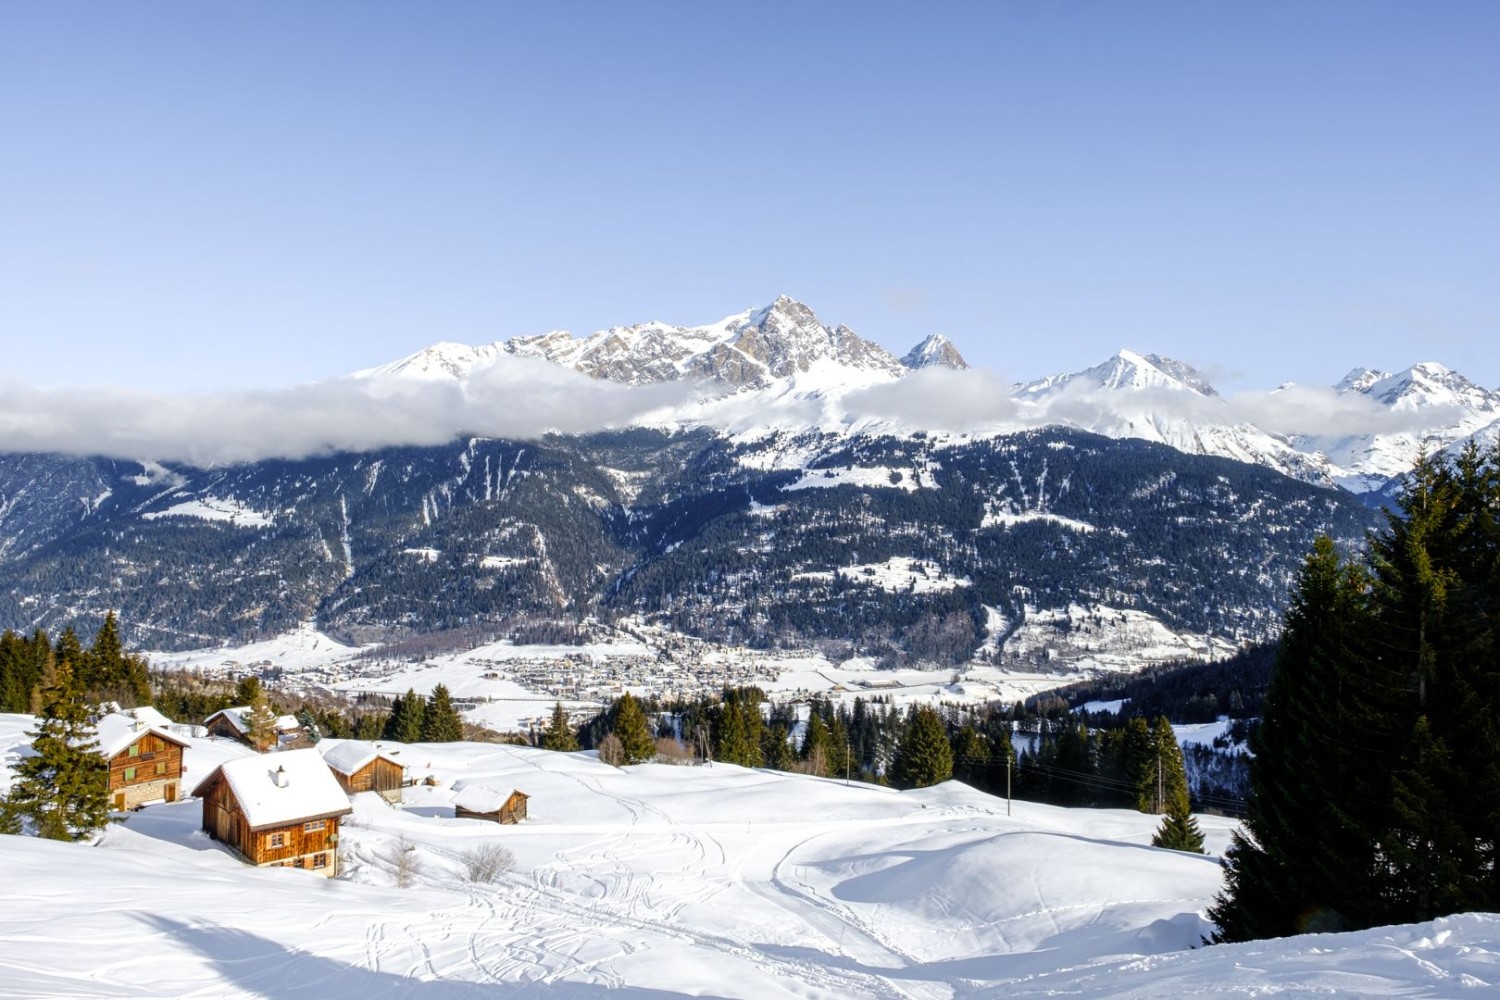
column 380, row 775
column 296, row 841
column 223, row 821
column 514, row 809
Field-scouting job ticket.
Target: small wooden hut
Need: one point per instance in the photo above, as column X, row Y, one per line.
column 359, row 766
column 233, row 723
column 482, row 802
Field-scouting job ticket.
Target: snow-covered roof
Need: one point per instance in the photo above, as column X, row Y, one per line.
column 150, row 717
column 481, row 798
column 348, row 756
column 117, row 731
column 236, row 718
column 308, row 791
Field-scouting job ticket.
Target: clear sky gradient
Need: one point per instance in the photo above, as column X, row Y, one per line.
column 213, row 195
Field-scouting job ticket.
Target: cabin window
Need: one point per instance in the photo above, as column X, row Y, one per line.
column 320, row 861
column 313, row 827
column 276, row 840
column 135, row 749
column 130, row 774
column 161, row 768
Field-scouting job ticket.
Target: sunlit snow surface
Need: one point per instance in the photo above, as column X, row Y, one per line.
column 658, row 881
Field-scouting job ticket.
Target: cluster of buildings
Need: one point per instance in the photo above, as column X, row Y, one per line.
column 279, row 807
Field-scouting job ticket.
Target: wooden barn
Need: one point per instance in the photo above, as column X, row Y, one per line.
column 145, row 761
column 359, row 766
column 482, row 802
column 280, row 810
column 230, row 723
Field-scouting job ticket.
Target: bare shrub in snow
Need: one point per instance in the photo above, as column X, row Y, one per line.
column 404, row 862
column 671, row 751
column 611, row 750
column 486, row 862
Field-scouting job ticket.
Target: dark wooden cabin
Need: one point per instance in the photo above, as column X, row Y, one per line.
column 278, row 810
column 359, row 766
column 145, row 762
column 230, row 723
column 480, row 802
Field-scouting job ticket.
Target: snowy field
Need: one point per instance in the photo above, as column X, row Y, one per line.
column 658, row 882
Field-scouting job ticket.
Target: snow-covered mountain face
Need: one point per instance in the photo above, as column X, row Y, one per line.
column 1433, row 408
column 781, row 369
column 1158, row 399
column 749, row 350
column 937, row 351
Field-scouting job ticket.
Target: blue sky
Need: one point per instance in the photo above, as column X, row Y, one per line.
column 206, row 196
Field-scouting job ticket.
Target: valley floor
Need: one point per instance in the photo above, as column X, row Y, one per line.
column 660, row 881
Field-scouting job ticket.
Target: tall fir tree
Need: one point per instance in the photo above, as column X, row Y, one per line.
column 404, row 724
column 1290, row 867
column 558, row 735
column 630, row 726
column 923, row 756
column 440, row 720
column 1179, row 829
column 63, row 788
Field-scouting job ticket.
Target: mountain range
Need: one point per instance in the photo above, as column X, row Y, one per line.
column 763, row 360
column 791, row 497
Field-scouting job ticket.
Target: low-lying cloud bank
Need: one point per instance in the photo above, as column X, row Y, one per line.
column 526, row 398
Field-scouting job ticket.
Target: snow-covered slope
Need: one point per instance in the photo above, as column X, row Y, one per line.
column 1158, row 399
column 1432, row 408
column 658, row 881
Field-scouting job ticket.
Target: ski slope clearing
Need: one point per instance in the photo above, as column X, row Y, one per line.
column 659, row 881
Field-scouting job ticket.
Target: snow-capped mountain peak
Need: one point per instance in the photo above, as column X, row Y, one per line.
column 1126, row 370
column 441, row 361
column 937, row 351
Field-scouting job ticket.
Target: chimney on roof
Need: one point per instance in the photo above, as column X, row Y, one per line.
column 138, row 725
column 280, row 777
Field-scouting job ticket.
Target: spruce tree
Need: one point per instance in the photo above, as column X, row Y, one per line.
column 10, row 816
column 636, row 743
column 440, row 720
column 1179, row 828
column 923, row 756
column 971, row 757
column 404, row 724
column 63, row 788
column 559, row 734
column 815, row 742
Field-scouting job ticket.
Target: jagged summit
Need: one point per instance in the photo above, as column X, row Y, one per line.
column 936, row 351
column 750, row 349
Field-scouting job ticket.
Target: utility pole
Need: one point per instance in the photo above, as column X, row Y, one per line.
column 848, row 762
column 1009, row 759
column 1158, row 781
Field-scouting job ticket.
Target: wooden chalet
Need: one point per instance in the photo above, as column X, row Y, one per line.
column 482, row 802
column 281, row 810
column 145, row 761
column 359, row 766
column 231, row 723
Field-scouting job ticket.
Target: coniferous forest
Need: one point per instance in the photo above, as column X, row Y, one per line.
column 1377, row 764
